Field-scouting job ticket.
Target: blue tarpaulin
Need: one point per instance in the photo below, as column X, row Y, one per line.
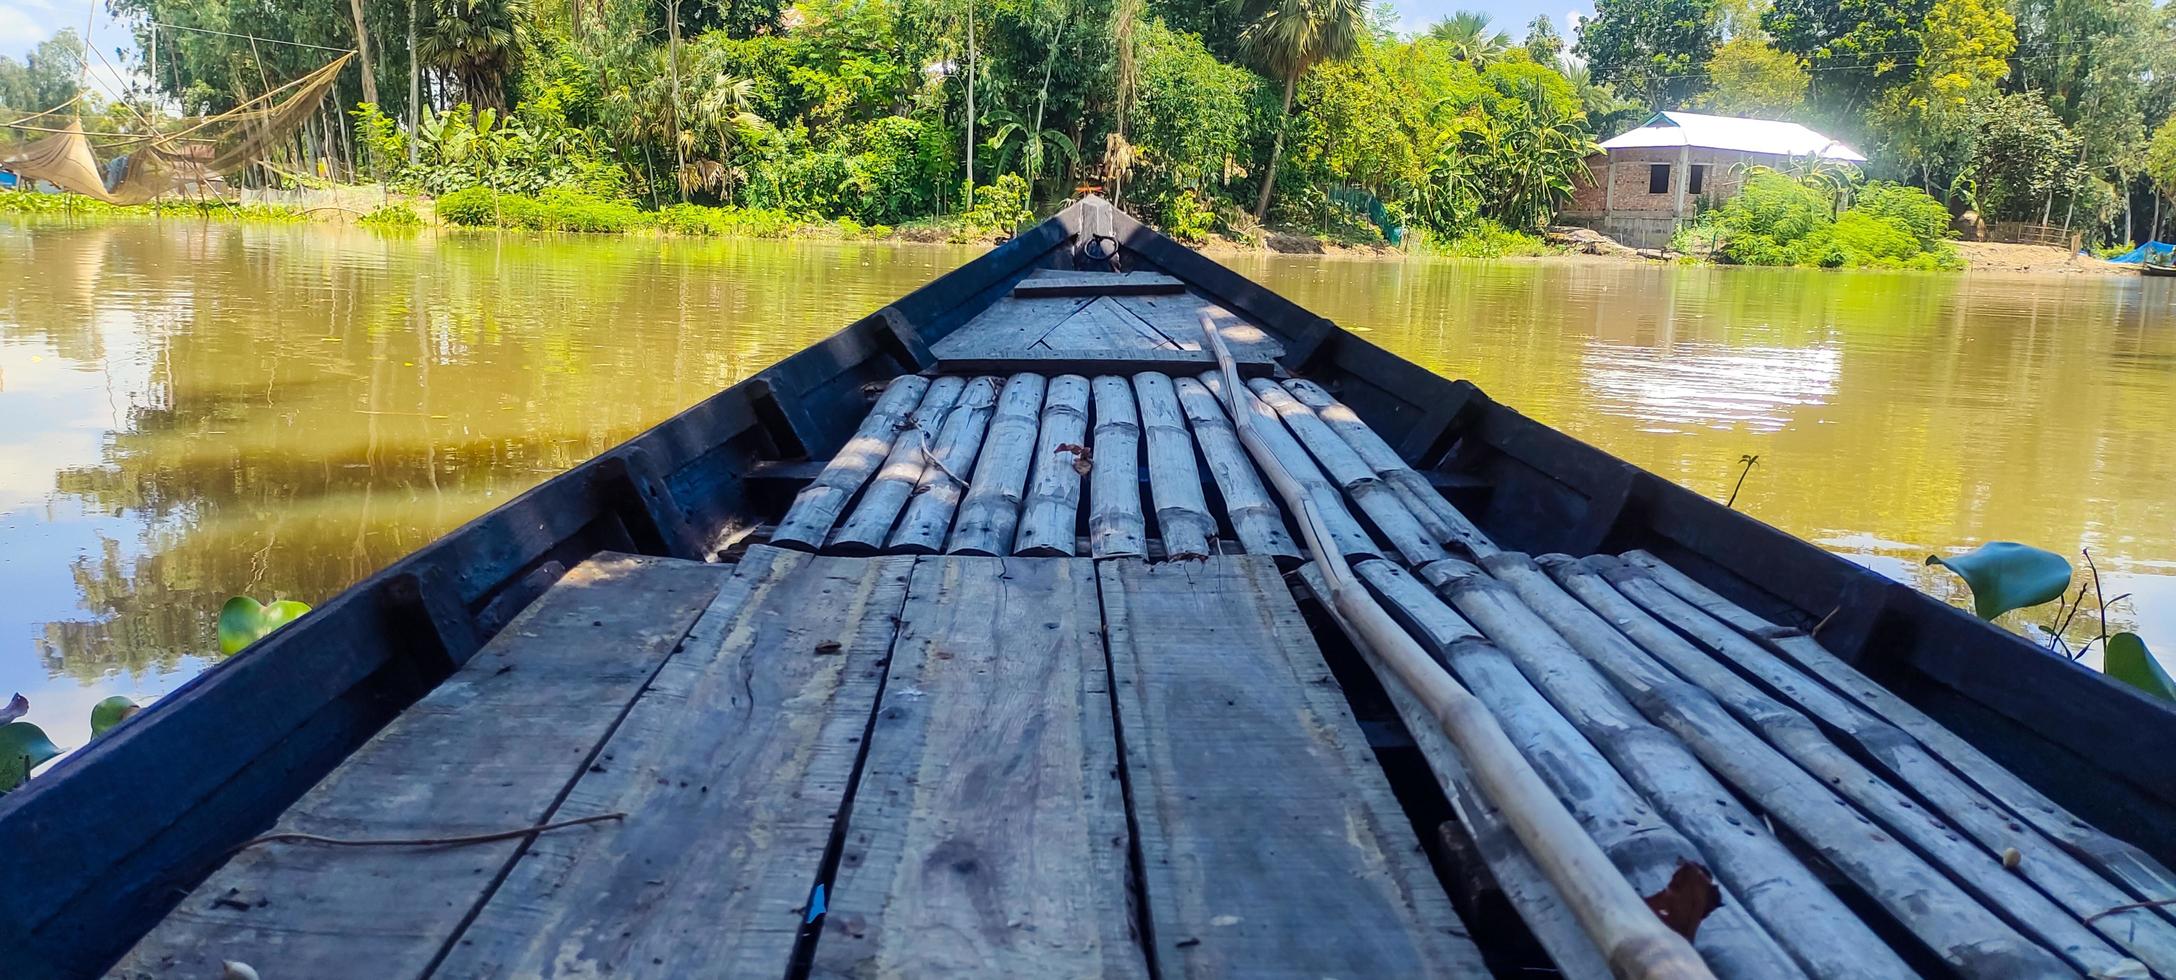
column 2154, row 251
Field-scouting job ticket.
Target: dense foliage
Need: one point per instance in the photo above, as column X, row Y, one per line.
column 1781, row 219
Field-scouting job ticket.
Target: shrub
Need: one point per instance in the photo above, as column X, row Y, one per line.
column 476, row 207
column 1490, row 240
column 1781, row 220
column 395, row 214
column 1188, row 218
column 999, row 206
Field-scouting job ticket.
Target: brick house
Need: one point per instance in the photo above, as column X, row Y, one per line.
column 1650, row 181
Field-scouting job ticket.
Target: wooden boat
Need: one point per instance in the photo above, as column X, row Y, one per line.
column 739, row 697
column 2156, row 269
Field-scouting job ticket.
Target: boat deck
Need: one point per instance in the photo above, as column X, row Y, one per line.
column 1020, row 685
column 957, row 765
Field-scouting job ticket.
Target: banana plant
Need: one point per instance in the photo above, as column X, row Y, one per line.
column 1035, row 148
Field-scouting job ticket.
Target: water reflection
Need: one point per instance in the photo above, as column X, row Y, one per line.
column 195, row 411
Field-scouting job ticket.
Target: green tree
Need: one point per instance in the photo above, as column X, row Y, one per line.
column 1859, row 48
column 1927, row 124
column 48, row 76
column 1288, row 37
column 1543, row 43
column 1195, row 113
column 479, row 42
column 2160, row 158
column 1470, row 37
column 1650, row 50
column 1749, row 77
column 2022, row 156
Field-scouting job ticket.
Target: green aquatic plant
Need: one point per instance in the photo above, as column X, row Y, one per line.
column 2005, row 575
column 243, row 620
column 110, row 712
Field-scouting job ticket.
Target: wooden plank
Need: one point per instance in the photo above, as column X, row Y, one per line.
column 1131, row 361
column 817, row 506
column 1174, row 482
column 936, row 495
column 2141, row 875
column 1450, row 525
column 1270, row 844
column 991, row 510
column 1521, row 882
column 1398, row 524
column 732, row 767
column 1948, row 920
column 988, row 833
column 1179, row 318
column 1010, row 323
column 1648, row 850
column 1781, row 893
column 493, row 748
column 1256, row 520
column 1092, row 330
column 1345, row 531
column 1124, row 330
column 1052, row 514
column 1116, row 526
column 2142, row 933
column 865, row 529
column 1098, row 284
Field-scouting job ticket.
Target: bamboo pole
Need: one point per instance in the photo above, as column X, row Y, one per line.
column 1635, row 942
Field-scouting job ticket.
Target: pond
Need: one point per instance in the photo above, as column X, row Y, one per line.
column 189, row 412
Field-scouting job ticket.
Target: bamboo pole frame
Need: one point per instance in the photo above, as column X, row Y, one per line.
column 1636, row 943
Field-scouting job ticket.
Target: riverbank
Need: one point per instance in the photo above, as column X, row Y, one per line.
column 576, row 214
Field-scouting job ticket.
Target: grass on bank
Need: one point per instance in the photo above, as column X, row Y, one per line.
column 25, row 202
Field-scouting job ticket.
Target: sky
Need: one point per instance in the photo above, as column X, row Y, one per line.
column 24, row 23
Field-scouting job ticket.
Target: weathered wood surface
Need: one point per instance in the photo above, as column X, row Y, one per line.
column 1116, row 525
column 1098, row 284
column 988, row 831
column 2142, row 933
column 871, row 520
column 1179, row 318
column 990, row 512
column 1800, row 913
column 1174, row 482
column 936, row 495
column 1350, row 538
column 1952, row 924
column 1447, row 522
column 1106, row 327
column 817, row 506
column 1521, row 882
column 1256, row 520
column 1646, row 849
column 1052, row 515
column 1011, row 323
column 733, row 768
column 1043, row 360
column 1270, row 843
column 2141, row 875
column 1102, row 327
column 493, row 748
column 1344, row 467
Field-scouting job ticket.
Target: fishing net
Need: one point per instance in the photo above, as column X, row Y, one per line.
column 190, row 151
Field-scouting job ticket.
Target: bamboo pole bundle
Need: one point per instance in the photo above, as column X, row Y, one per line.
column 1452, row 526
column 937, row 494
column 990, row 513
column 817, row 506
column 864, row 530
column 1631, row 937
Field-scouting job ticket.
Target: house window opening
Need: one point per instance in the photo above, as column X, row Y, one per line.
column 1658, row 178
column 1698, row 178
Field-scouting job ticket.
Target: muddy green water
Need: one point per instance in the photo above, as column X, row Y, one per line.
column 188, row 412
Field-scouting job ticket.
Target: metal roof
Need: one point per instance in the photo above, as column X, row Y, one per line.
column 1673, row 129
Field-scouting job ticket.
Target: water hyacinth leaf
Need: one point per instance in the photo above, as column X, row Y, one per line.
column 243, row 620
column 2129, row 661
column 2005, row 575
column 16, row 707
column 110, row 712
column 23, row 747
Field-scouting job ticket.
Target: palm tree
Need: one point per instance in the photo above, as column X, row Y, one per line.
column 1470, row 38
column 480, row 42
column 1289, row 37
